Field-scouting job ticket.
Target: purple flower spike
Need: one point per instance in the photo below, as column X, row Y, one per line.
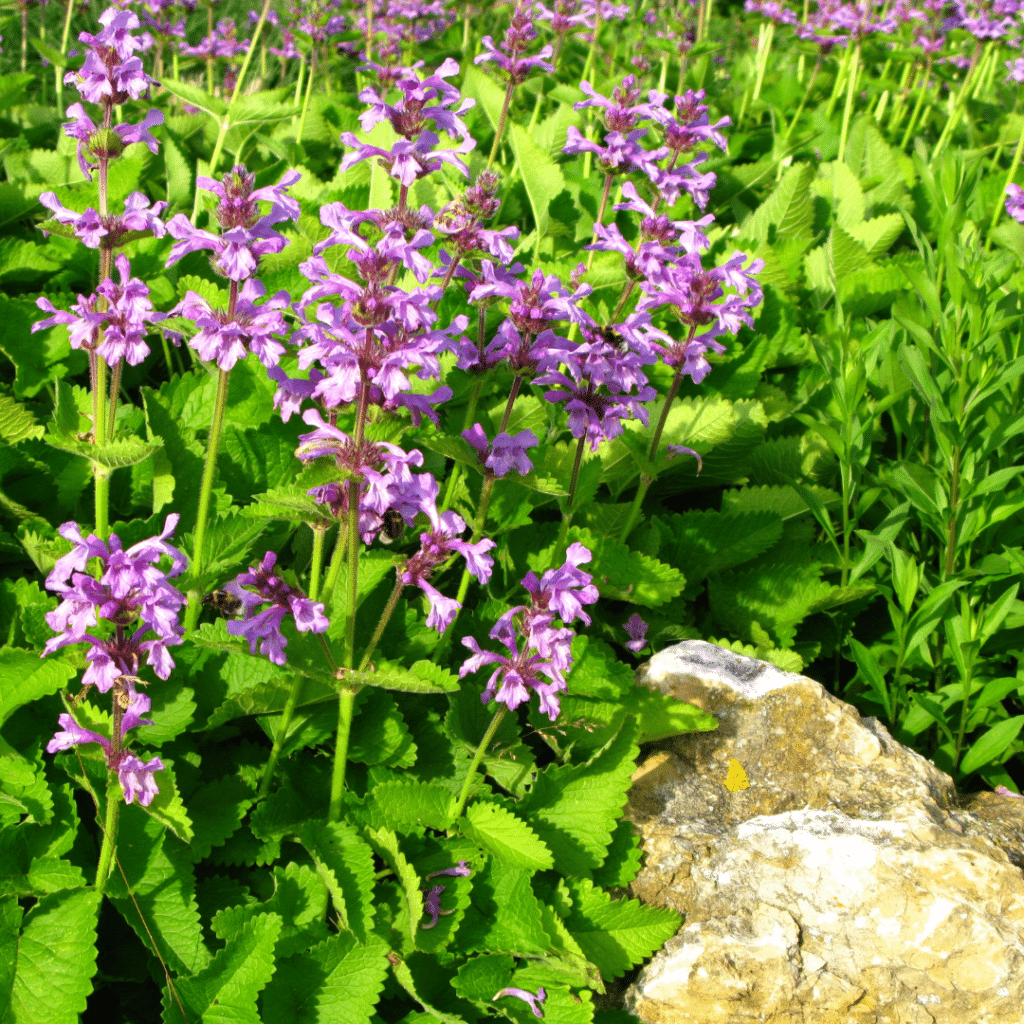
column 264, row 626
column 134, row 775
column 637, row 630
column 131, row 594
column 1015, row 202
column 507, row 451
column 531, row 1000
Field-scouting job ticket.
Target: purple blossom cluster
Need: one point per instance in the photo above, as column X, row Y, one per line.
column 266, row 606
column 510, row 55
column 432, row 896
column 111, row 322
column 114, row 614
column 539, row 652
column 683, row 129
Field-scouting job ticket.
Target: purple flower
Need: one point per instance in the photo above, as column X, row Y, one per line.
column 423, row 100
column 539, row 652
column 292, row 392
column 111, row 72
column 408, row 159
column 97, row 142
column 461, row 870
column 531, row 1000
column 1016, row 67
column 622, row 113
column 1015, row 202
column 505, row 453
column 690, row 125
column 245, row 236
column 637, row 630
column 134, row 775
column 510, row 58
column 264, row 626
column 675, row 450
column 224, row 337
column 113, row 230
column 130, row 591
column 116, row 333
column 432, row 905
column 1003, row 791
column 436, row 547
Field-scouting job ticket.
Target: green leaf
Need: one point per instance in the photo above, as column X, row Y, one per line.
column 625, row 854
column 504, row 916
column 282, row 504
column 628, row 575
column 405, row 978
column 505, row 836
column 840, row 256
column 217, row 809
column 660, row 715
column 379, row 733
column 345, row 863
column 789, row 208
column 574, row 808
column 17, row 422
column 872, row 673
column 541, row 175
column 55, row 57
column 482, row 976
column 195, row 97
column 300, row 897
column 597, row 671
column 617, row 934
column 782, row 501
column 25, row 677
column 54, row 961
column 708, row 541
column 338, row 981
column 162, row 886
column 121, row 451
column 990, row 747
column 167, row 807
column 414, row 804
column 385, row 844
column 422, row 677
column 228, row 988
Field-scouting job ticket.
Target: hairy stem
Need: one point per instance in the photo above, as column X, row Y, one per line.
column 478, row 756
column 109, row 832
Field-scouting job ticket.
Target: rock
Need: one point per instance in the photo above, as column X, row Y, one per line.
column 827, row 873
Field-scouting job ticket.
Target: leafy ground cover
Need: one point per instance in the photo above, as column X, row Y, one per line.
column 383, row 380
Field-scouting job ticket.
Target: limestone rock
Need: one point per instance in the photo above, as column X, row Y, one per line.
column 827, row 873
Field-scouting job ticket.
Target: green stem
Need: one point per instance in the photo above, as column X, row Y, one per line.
column 389, row 610
column 574, row 480
column 106, row 860
column 592, row 55
column 803, row 99
column 851, row 87
column 838, row 84
column 346, row 706
column 206, row 487
column 337, row 561
column 501, row 123
column 305, row 101
column 600, row 216
column 115, row 389
column 646, row 481
column 460, row 805
column 69, row 10
column 1014, row 164
column 953, row 121
column 922, row 92
column 295, row 694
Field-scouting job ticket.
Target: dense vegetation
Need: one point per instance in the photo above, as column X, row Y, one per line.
column 358, row 351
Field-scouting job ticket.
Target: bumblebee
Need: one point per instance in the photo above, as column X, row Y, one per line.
column 224, row 605
column 393, row 526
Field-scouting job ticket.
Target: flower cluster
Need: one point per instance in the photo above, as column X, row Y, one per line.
column 131, row 599
column 116, row 332
column 539, row 652
column 511, row 57
column 266, row 607
column 111, row 73
column 505, row 452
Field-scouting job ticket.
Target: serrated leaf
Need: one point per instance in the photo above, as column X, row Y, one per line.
column 708, row 541
column 404, row 977
column 505, row 836
column 17, row 422
column 542, row 177
column 300, row 898
column 345, row 863
column 504, row 915
column 162, row 886
column 25, row 677
column 195, row 97
column 337, row 981
column 482, row 976
column 840, row 256
column 55, row 960
column 217, row 809
column 625, row 854
column 574, row 808
column 115, row 454
column 782, row 501
column 231, row 983
column 407, row 680
column 385, row 843
column 414, row 803
column 379, row 733
column 167, row 807
column 597, row 672
column 628, row 575
column 617, row 934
